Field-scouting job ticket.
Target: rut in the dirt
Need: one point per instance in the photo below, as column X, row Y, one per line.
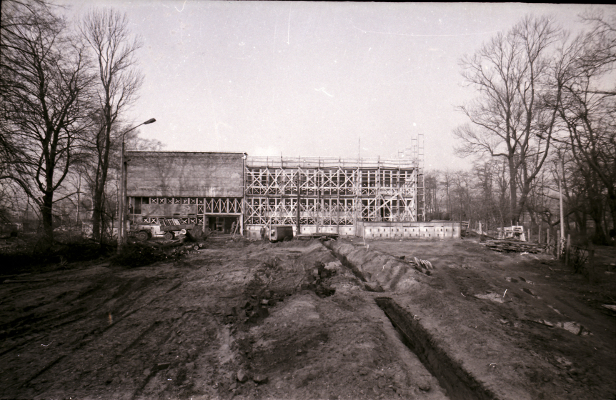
column 451, row 375
column 459, row 383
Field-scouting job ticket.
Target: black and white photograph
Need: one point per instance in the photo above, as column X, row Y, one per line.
column 307, row 200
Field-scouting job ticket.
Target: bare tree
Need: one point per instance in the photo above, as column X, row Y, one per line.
column 513, row 118
column 588, row 111
column 492, row 189
column 44, row 95
column 114, row 48
column 461, row 190
column 446, row 184
column 12, row 20
column 431, row 188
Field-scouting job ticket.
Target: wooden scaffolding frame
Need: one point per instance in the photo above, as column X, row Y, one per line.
column 332, row 192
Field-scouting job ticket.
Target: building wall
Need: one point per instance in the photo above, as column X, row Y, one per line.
column 253, row 231
column 184, row 174
column 380, row 230
column 352, row 198
column 187, row 187
column 409, row 230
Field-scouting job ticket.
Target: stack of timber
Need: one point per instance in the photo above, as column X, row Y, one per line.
column 513, row 246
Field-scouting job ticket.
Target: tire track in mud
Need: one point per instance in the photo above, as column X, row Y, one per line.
column 34, row 322
column 174, row 287
column 88, row 339
column 26, row 323
column 142, row 386
column 42, row 371
column 78, row 311
column 86, row 317
column 88, row 312
column 147, row 331
column 42, row 323
column 161, row 327
column 122, row 318
column 171, row 341
column 23, row 343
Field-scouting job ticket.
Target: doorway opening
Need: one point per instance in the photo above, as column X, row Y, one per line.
column 224, row 224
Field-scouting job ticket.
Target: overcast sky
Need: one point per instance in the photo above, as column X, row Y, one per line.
column 311, row 79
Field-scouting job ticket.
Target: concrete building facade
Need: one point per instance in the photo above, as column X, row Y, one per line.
column 194, row 188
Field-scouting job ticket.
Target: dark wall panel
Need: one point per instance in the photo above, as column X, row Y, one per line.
column 178, row 174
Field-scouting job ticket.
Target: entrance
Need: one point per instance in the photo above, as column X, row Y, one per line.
column 223, row 224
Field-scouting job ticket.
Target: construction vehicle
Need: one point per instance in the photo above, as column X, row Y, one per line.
column 167, row 228
column 512, row 232
column 279, row 233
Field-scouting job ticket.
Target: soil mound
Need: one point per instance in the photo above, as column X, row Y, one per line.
column 379, row 271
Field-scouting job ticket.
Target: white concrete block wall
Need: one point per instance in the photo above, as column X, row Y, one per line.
column 254, row 231
column 401, row 230
column 432, row 230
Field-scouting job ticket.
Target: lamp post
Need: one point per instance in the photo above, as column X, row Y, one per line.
column 122, row 203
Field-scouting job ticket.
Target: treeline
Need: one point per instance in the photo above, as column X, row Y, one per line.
column 544, row 119
column 481, row 196
column 65, row 87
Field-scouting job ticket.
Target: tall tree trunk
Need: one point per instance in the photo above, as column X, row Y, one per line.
column 47, row 214
column 514, row 214
column 596, row 211
column 96, row 212
column 611, row 201
column 98, row 220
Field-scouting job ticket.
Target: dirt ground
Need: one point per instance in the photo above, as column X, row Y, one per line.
column 523, row 324
column 301, row 320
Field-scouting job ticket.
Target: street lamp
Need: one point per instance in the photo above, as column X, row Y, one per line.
column 122, row 200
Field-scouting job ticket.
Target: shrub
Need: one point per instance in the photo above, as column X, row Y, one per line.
column 21, row 256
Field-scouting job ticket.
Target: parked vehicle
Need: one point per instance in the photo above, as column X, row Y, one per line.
column 279, row 233
column 512, row 232
column 144, row 232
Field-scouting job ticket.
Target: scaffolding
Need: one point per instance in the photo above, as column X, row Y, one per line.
column 331, row 192
column 421, row 194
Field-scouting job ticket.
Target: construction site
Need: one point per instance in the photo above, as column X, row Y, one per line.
column 216, row 189
column 355, row 201
column 365, row 300
column 235, row 193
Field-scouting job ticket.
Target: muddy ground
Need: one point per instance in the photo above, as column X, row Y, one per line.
column 307, row 320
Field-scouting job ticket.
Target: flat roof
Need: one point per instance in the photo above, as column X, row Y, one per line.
column 297, row 162
column 144, row 152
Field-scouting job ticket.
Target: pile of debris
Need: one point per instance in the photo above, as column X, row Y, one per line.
column 423, row 266
column 139, row 254
column 314, row 280
column 513, row 246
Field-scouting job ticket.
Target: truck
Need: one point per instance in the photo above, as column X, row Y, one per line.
column 167, row 228
column 279, row 233
column 512, row 232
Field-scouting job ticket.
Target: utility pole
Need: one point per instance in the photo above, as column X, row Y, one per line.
column 562, row 214
column 298, row 199
column 122, row 201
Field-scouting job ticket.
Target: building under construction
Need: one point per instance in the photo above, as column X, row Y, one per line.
column 333, row 194
column 227, row 191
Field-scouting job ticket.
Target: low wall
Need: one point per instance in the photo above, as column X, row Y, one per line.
column 254, row 231
column 379, row 230
column 408, row 230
